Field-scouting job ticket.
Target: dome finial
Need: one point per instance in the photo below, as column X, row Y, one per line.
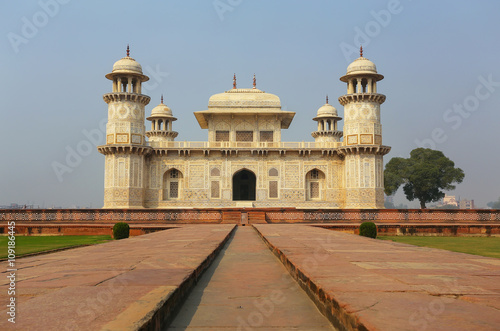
column 327, row 99
column 234, row 81
column 128, row 51
column 361, row 51
column 162, row 98
column 254, row 81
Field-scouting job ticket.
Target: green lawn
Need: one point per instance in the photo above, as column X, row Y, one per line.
column 484, row 246
column 32, row 244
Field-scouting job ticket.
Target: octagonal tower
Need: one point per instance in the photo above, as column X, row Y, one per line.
column 161, row 125
column 362, row 146
column 327, row 118
column 126, row 147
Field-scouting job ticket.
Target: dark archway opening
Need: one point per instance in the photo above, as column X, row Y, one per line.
column 244, row 182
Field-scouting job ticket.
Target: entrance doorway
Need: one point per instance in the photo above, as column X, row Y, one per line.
column 244, row 182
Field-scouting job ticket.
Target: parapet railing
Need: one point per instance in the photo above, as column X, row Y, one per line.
column 240, row 145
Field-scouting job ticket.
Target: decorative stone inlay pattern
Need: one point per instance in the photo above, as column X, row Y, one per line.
column 366, row 139
column 195, row 195
column 292, row 176
column 352, row 139
column 215, row 189
column 91, row 215
column 273, row 189
column 196, row 176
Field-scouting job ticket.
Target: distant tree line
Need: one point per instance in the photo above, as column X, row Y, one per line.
column 494, row 204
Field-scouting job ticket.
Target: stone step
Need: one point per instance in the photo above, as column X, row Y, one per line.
column 257, row 217
column 231, row 217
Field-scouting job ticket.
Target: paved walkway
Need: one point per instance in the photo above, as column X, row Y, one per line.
column 381, row 285
column 248, row 288
column 360, row 283
column 118, row 285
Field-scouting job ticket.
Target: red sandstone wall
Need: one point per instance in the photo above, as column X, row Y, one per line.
column 272, row 215
column 44, row 229
column 390, row 221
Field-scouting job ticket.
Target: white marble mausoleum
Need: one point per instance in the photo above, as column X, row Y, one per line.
column 244, row 163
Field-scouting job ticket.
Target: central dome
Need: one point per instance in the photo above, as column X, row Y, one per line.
column 244, row 98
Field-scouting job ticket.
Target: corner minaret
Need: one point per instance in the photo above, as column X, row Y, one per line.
column 125, row 148
column 161, row 125
column 327, row 118
column 362, row 145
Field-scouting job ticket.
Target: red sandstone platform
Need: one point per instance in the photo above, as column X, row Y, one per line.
column 364, row 283
column 119, row 285
column 358, row 283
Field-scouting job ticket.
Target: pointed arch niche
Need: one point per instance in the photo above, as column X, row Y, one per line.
column 172, row 184
column 315, row 184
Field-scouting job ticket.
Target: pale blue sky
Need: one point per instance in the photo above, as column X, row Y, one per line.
column 434, row 55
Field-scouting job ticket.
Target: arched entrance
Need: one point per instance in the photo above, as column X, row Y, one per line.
column 244, row 182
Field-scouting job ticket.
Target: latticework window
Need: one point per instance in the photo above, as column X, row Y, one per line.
column 221, row 135
column 266, row 136
column 174, row 190
column 314, row 174
column 314, row 190
column 244, row 136
column 215, row 172
column 214, row 189
column 174, row 173
column 273, row 172
column 273, row 189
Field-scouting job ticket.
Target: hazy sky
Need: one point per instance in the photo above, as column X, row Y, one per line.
column 439, row 59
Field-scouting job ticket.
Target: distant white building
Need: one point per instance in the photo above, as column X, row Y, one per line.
column 450, row 200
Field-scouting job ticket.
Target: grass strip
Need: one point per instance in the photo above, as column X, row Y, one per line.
column 483, row 246
column 35, row 244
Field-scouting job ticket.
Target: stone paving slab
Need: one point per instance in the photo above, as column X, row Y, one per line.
column 371, row 284
column 119, row 285
column 247, row 288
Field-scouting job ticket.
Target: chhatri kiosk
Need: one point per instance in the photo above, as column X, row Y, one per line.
column 244, row 163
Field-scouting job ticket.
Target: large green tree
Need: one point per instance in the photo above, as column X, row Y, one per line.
column 424, row 175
